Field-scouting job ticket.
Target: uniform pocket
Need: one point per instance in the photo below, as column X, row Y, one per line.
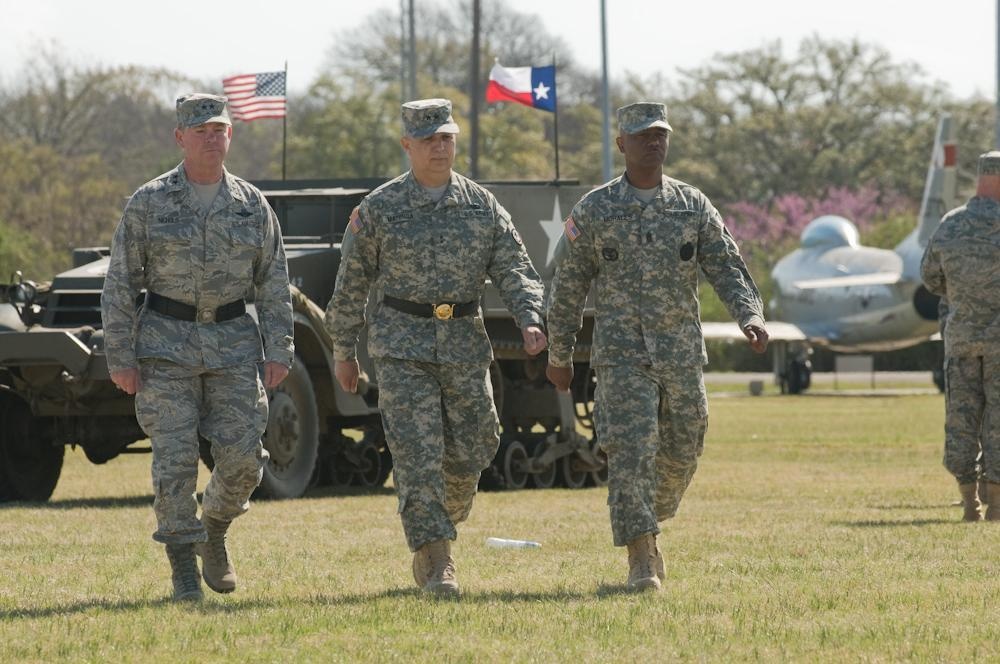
column 170, row 248
column 244, row 244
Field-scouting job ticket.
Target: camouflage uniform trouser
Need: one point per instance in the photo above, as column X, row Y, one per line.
column 229, row 408
column 442, row 429
column 972, row 418
column 651, row 422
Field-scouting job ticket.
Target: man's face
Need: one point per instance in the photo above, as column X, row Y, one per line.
column 646, row 149
column 430, row 156
column 206, row 144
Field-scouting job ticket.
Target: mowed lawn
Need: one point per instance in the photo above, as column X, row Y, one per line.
column 817, row 529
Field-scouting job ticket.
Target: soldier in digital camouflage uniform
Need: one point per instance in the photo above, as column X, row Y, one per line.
column 423, row 245
column 643, row 238
column 200, row 241
column 962, row 263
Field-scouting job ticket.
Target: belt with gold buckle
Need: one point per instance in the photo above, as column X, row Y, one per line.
column 441, row 310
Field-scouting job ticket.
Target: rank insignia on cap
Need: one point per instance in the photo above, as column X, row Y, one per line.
column 570, row 229
column 355, row 224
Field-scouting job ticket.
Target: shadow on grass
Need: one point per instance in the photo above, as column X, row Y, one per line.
column 893, row 523
column 113, row 502
column 216, row 605
column 102, row 502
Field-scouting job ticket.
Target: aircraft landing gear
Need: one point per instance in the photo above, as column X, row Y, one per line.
column 792, row 368
column 798, row 376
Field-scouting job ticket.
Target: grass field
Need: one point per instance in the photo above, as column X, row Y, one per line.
column 816, row 529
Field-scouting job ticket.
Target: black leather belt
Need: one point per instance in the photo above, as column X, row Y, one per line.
column 170, row 307
column 441, row 310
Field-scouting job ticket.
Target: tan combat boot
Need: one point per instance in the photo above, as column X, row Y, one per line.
column 184, row 573
column 645, row 565
column 434, row 568
column 216, row 568
column 421, row 566
column 992, row 501
column 970, row 502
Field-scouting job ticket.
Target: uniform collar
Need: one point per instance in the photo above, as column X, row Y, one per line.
column 419, row 197
column 177, row 182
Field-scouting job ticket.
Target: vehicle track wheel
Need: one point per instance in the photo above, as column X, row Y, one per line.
column 546, row 479
column 569, row 476
column 514, row 458
column 369, row 472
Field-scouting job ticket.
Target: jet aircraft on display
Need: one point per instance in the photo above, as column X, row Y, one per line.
column 833, row 292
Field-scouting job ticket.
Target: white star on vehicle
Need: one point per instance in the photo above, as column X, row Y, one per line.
column 553, row 231
column 541, row 92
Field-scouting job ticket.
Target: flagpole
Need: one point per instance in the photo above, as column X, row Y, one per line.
column 284, row 127
column 555, row 117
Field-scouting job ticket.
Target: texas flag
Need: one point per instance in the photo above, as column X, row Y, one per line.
column 531, row 86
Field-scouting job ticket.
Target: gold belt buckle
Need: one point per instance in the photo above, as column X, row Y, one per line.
column 444, row 311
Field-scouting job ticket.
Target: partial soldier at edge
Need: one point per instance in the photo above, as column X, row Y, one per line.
column 642, row 239
column 960, row 264
column 201, row 242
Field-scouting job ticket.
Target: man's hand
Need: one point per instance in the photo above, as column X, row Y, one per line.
column 561, row 377
column 127, row 380
column 274, row 373
column 757, row 336
column 534, row 340
column 347, row 372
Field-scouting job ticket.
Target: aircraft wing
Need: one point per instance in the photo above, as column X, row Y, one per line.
column 871, row 279
column 776, row 331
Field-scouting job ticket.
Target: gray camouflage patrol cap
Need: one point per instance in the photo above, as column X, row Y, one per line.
column 641, row 115
column 425, row 117
column 198, row 108
column 989, row 163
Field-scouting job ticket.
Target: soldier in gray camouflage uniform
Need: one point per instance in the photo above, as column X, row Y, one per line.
column 962, row 263
column 200, row 241
column 643, row 238
column 424, row 244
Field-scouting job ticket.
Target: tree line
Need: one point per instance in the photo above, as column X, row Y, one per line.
column 768, row 136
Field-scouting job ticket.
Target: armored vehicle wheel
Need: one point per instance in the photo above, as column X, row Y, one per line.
column 292, row 436
column 546, row 479
column 569, row 476
column 514, row 458
column 30, row 462
column 599, row 477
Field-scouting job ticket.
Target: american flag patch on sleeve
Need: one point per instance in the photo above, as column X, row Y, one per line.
column 570, row 229
column 355, row 224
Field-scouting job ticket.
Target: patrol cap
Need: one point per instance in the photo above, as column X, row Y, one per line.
column 989, row 163
column 641, row 115
column 198, row 108
column 425, row 117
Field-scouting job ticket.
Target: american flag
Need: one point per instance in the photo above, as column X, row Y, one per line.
column 256, row 96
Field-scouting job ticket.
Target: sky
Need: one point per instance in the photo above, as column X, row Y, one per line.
column 956, row 46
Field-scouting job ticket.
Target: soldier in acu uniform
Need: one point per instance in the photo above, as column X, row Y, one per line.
column 424, row 245
column 962, row 263
column 201, row 242
column 644, row 238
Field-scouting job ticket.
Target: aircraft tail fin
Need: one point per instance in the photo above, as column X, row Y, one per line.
column 941, row 186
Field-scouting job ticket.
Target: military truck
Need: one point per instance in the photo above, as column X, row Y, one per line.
column 55, row 389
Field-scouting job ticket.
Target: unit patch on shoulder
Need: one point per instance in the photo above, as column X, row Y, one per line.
column 571, row 230
column 516, row 236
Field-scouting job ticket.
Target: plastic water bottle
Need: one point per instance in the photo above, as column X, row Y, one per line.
column 500, row 543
